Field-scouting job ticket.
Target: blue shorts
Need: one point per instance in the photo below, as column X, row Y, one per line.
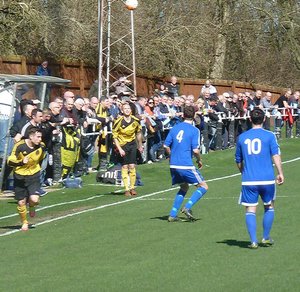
column 190, row 176
column 250, row 193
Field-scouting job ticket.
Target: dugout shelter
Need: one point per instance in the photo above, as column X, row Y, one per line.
column 9, row 85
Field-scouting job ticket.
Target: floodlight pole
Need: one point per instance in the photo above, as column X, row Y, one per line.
column 108, row 46
column 133, row 53
column 100, row 45
column 106, row 10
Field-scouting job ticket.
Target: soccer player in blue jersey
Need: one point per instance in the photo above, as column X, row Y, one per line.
column 256, row 149
column 182, row 142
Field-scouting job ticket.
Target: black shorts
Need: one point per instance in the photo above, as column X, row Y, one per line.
column 26, row 185
column 130, row 149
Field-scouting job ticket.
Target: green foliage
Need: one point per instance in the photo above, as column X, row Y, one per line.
column 246, row 40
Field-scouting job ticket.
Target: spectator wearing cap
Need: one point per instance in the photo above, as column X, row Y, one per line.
column 23, row 102
column 114, row 110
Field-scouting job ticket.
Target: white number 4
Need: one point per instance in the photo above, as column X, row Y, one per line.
column 179, row 136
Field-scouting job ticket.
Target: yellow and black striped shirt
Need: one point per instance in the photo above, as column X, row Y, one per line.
column 20, row 151
column 126, row 132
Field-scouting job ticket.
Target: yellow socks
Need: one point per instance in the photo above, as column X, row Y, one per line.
column 132, row 176
column 22, row 210
column 125, row 178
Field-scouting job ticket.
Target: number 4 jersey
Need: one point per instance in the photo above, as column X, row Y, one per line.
column 182, row 139
column 255, row 149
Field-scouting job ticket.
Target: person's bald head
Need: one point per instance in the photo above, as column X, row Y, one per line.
column 69, row 103
column 54, row 107
column 68, row 94
column 94, row 102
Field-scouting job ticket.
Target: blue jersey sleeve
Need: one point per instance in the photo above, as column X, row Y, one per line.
column 275, row 150
column 196, row 139
column 238, row 152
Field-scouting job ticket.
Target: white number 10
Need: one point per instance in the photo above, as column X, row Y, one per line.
column 254, row 146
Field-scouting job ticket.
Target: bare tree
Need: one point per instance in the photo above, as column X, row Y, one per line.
column 247, row 40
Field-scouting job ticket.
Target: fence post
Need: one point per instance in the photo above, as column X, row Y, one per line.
column 1, row 65
column 81, row 78
column 24, row 65
column 233, row 86
column 62, row 69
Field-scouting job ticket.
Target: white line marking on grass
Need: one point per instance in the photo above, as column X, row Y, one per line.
column 104, row 185
column 56, row 205
column 123, row 202
column 292, row 160
column 86, row 211
column 204, row 198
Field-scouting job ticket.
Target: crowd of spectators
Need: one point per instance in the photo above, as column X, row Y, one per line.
column 77, row 129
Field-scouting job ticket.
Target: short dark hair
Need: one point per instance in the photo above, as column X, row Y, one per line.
column 141, row 98
column 103, row 98
column 35, row 111
column 257, row 116
column 189, row 112
column 34, row 130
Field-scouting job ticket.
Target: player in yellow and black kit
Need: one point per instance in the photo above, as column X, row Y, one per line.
column 126, row 134
column 25, row 158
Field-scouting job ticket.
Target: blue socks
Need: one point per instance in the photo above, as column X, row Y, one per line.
column 177, row 203
column 251, row 225
column 196, row 196
column 268, row 222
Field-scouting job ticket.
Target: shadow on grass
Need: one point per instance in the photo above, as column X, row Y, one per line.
column 165, row 218
column 15, row 227
column 10, row 227
column 233, row 242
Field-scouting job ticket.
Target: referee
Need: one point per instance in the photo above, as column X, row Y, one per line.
column 25, row 158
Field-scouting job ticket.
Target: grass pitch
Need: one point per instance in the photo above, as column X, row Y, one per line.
column 92, row 239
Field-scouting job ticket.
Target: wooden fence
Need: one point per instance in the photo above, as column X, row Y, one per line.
column 82, row 77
